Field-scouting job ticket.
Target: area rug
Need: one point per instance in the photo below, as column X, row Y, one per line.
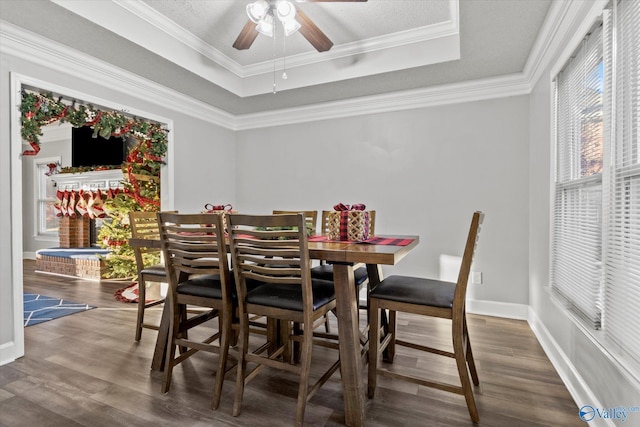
column 40, row 308
column 131, row 294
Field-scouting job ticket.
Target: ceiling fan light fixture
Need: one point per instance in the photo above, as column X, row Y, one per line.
column 290, row 27
column 257, row 10
column 285, row 11
column 265, row 26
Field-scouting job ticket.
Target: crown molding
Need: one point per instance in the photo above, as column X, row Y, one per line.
column 31, row 47
column 476, row 90
column 26, row 45
column 557, row 26
column 565, row 21
column 189, row 40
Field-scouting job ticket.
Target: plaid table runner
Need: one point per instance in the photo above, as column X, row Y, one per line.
column 373, row 240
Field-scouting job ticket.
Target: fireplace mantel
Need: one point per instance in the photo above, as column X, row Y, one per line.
column 88, row 180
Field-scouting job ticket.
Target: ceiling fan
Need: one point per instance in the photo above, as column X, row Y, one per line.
column 261, row 21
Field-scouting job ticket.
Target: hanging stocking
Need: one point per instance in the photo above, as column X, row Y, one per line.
column 81, row 204
column 95, row 205
column 91, row 198
column 71, row 206
column 57, row 207
column 65, row 203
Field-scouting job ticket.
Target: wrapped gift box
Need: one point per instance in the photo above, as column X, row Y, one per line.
column 350, row 223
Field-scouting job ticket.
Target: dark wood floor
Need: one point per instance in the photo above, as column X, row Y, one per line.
column 86, row 369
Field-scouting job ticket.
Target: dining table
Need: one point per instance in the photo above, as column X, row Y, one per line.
column 376, row 252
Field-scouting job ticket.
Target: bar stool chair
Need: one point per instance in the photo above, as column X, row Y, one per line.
column 311, row 221
column 273, row 249
column 195, row 254
column 144, row 225
column 433, row 298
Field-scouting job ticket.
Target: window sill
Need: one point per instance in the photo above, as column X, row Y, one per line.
column 46, row 238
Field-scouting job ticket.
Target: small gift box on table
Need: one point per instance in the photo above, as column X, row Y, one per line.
column 348, row 222
column 220, row 210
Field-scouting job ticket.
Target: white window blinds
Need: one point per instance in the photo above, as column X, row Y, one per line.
column 621, row 320
column 577, row 236
column 595, row 265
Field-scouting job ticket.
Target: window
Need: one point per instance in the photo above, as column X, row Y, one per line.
column 577, row 250
column 595, row 265
column 47, row 221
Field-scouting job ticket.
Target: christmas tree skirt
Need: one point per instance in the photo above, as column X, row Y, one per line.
column 155, row 291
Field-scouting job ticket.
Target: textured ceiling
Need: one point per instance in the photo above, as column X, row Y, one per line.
column 496, row 37
column 218, row 22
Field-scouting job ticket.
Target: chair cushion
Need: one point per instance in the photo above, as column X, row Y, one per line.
column 415, row 290
column 325, row 272
column 156, row 270
column 289, row 297
column 209, row 286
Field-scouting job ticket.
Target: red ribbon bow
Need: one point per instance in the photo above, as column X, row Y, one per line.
column 211, row 207
column 354, row 207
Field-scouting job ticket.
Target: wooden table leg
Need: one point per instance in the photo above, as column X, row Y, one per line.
column 348, row 330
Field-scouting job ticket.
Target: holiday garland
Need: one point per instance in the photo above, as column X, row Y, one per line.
column 141, row 167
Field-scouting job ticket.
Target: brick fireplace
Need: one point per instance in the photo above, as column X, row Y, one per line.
column 75, row 232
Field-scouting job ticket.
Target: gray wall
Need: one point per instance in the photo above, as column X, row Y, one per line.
column 424, row 171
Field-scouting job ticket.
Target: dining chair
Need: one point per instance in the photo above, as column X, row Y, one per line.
column 432, row 298
column 273, row 249
column 195, row 254
column 144, row 225
column 311, row 221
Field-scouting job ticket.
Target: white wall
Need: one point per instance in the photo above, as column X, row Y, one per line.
column 424, row 171
column 202, row 157
column 593, row 377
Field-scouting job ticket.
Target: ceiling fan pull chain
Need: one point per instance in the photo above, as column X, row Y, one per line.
column 274, row 62
column 284, row 58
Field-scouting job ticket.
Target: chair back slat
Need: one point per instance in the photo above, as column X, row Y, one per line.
column 193, row 244
column 144, row 225
column 270, row 249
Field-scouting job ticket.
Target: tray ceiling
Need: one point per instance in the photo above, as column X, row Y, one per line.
column 380, row 46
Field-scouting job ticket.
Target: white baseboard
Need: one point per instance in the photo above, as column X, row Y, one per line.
column 498, row 309
column 9, row 352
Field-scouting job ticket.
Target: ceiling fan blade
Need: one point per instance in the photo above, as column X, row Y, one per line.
column 312, row 33
column 246, row 37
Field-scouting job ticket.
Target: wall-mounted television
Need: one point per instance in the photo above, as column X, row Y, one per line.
column 89, row 151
